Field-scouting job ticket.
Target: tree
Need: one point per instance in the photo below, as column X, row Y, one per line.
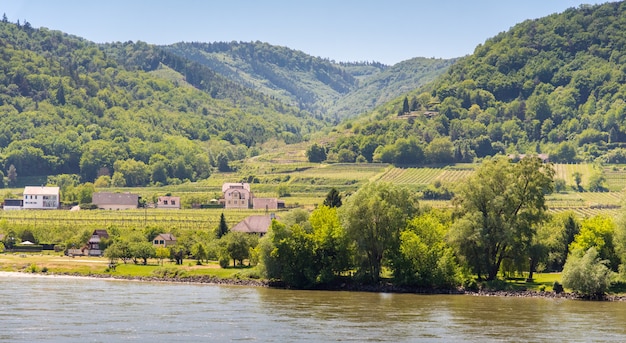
column 162, row 253
column 316, row 153
column 425, row 259
column 12, row 174
column 60, row 96
column 199, row 252
column 498, row 209
column 222, row 229
column 333, row 198
column 237, row 246
column 598, row 232
column 578, row 178
column 222, row 162
column 597, row 182
column 332, row 247
column 373, row 218
column 143, row 251
column 587, row 273
column 288, row 254
column 405, row 105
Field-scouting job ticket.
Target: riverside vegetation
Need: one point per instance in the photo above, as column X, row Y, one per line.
column 176, row 119
column 379, row 234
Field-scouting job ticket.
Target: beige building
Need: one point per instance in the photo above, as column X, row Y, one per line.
column 115, row 201
column 237, row 195
column 168, row 202
column 164, row 240
column 257, row 224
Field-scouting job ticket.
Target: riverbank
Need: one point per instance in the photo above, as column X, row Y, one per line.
column 380, row 288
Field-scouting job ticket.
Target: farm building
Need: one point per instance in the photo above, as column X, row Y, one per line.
column 115, row 201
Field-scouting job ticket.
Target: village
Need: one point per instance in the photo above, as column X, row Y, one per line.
column 235, row 196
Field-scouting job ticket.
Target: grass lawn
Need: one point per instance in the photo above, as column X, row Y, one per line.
column 87, row 265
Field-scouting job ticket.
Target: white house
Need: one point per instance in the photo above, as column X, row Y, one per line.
column 41, row 198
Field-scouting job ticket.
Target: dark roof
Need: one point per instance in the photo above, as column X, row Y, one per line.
column 101, row 233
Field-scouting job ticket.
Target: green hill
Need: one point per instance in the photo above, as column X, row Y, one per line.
column 324, row 87
column 552, row 85
column 70, row 106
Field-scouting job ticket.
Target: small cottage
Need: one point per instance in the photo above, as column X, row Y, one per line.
column 95, row 244
column 168, row 202
column 164, row 240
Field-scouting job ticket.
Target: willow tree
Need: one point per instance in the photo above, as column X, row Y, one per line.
column 373, row 218
column 498, row 209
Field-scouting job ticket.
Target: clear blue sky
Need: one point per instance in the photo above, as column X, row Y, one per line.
column 387, row 31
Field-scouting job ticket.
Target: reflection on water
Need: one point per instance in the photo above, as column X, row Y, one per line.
column 90, row 310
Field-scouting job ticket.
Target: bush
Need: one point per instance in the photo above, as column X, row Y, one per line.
column 587, row 273
column 557, row 287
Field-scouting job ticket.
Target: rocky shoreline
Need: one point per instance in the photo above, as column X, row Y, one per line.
column 380, row 288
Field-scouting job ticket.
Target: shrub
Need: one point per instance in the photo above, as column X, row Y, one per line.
column 557, row 287
column 587, row 273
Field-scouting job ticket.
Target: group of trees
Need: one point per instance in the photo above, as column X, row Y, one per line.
column 74, row 107
column 499, row 226
column 136, row 246
column 551, row 85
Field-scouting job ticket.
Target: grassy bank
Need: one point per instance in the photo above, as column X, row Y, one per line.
column 89, row 266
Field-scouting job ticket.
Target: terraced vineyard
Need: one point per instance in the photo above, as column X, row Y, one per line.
column 425, row 176
column 566, row 172
column 615, row 177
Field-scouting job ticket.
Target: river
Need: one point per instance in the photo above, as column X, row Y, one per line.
column 67, row 309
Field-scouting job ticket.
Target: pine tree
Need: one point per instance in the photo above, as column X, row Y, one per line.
column 405, row 105
column 223, row 228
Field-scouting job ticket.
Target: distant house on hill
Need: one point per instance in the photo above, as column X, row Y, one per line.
column 41, row 198
column 115, row 201
column 237, row 195
column 257, row 224
column 168, row 202
column 164, row 240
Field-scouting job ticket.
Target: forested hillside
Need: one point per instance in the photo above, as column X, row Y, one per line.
column 551, row 85
column 323, row 87
column 130, row 112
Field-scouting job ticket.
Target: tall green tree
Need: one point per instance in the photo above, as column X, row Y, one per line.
column 498, row 209
column 333, row 198
column 222, row 229
column 12, row 174
column 332, row 247
column 425, row 259
column 373, row 218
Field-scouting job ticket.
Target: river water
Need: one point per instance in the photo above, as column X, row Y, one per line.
column 65, row 309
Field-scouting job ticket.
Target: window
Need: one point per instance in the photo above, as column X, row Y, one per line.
column 173, row 202
column 164, row 202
